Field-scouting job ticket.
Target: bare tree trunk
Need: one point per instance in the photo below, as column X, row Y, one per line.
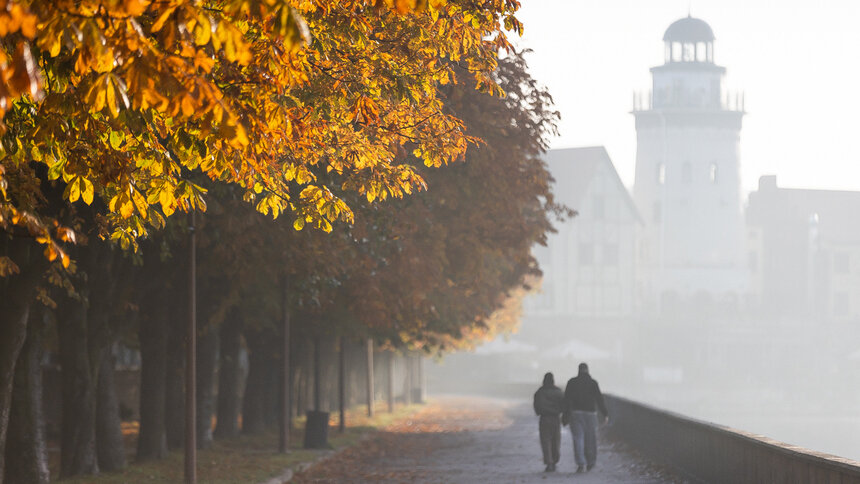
column 86, row 337
column 174, row 390
column 229, row 377
column 254, row 403
column 407, row 385
column 78, row 429
column 422, row 379
column 152, row 335
column 13, row 332
column 109, row 441
column 341, row 383
column 16, row 294
column 390, row 381
column 370, row 395
column 207, row 358
column 27, row 455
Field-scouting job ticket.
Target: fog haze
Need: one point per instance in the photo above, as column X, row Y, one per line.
column 794, row 60
column 714, row 266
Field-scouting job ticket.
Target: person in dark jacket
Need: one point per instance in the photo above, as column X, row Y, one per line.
column 582, row 401
column 549, row 401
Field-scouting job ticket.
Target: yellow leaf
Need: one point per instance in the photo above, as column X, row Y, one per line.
column 87, row 190
column 126, row 209
column 74, row 190
column 159, row 24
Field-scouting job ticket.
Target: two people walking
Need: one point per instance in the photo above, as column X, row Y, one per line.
column 577, row 406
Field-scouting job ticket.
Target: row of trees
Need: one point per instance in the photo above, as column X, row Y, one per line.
column 121, row 115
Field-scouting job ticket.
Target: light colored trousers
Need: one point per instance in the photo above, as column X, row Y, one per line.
column 583, row 429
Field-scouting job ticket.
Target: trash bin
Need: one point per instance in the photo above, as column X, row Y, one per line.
column 316, row 430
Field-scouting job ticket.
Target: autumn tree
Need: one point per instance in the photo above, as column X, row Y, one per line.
column 444, row 261
column 122, row 100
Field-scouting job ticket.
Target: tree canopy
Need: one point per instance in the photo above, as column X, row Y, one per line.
column 291, row 100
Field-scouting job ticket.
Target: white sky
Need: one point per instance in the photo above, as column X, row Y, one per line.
column 797, row 61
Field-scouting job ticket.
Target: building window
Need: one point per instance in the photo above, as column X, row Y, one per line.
column 676, row 51
column 689, row 52
column 658, row 212
column 687, row 172
column 840, row 304
column 586, row 254
column 713, row 172
column 610, row 254
column 841, row 263
column 597, row 207
column 661, row 173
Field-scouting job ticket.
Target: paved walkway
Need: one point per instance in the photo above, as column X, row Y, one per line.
column 464, row 440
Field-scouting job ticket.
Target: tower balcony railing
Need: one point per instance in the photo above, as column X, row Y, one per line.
column 688, row 99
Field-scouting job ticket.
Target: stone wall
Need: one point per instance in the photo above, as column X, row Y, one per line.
column 713, row 453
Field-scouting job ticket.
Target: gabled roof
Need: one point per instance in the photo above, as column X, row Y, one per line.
column 575, row 168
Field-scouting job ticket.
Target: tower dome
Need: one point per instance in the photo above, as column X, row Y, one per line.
column 689, row 29
column 689, row 40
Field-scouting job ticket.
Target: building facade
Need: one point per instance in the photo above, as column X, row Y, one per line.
column 687, row 181
column 589, row 265
column 805, row 253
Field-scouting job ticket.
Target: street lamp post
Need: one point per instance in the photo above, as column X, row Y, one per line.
column 191, row 363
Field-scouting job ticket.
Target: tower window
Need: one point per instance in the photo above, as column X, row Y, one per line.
column 676, row 51
column 713, row 173
column 658, row 212
column 661, row 174
column 689, row 52
column 686, row 172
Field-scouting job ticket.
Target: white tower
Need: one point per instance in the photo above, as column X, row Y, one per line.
column 687, row 183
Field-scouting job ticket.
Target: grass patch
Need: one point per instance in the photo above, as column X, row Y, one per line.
column 250, row 459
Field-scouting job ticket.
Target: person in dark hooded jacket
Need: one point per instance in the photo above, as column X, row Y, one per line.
column 582, row 401
column 548, row 403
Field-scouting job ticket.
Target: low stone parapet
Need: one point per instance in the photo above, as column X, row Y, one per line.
column 714, row 453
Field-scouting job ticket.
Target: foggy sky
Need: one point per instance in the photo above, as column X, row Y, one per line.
column 797, row 62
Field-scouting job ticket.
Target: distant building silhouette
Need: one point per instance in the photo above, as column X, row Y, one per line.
column 687, row 184
column 804, row 252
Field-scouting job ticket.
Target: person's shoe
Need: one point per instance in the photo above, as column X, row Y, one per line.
column 589, row 467
column 579, row 469
column 548, row 468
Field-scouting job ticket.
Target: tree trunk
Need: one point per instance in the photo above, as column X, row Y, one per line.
column 254, row 403
column 370, row 395
column 27, row 455
column 78, row 439
column 109, row 441
column 16, row 293
column 229, row 379
column 174, row 394
column 207, row 358
column 341, row 384
column 390, row 381
column 152, row 335
column 272, row 394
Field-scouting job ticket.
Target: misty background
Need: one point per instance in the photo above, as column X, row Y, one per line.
column 714, row 266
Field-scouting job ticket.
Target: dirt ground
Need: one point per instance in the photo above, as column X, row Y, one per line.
column 464, row 440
